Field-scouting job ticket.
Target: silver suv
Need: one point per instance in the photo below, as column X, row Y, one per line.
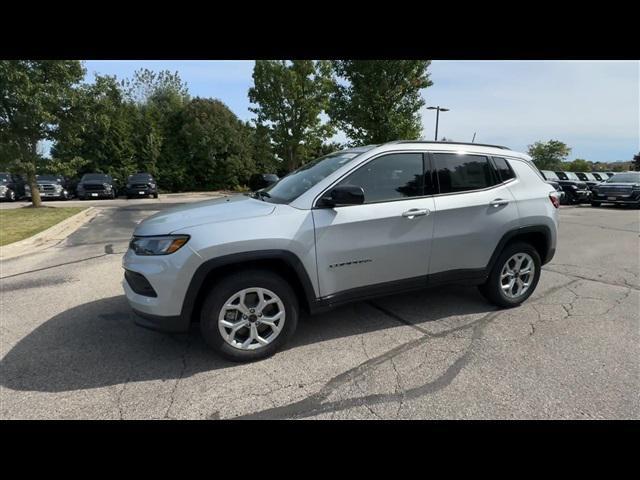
column 352, row 225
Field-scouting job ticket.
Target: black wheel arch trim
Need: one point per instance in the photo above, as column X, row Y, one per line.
column 516, row 232
column 203, row 271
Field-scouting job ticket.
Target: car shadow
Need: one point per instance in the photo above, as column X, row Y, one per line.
column 97, row 344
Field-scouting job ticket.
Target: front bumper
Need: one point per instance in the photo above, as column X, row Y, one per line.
column 630, row 198
column 95, row 193
column 582, row 195
column 139, row 192
column 169, row 277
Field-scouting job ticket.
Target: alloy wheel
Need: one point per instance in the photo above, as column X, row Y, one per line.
column 517, row 275
column 251, row 318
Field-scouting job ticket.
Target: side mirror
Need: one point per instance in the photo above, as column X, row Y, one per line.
column 343, row 195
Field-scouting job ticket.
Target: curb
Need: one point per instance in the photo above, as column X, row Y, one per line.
column 49, row 237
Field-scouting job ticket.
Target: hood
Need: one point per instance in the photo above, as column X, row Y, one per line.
column 209, row 211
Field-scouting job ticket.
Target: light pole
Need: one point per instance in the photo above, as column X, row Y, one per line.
column 438, row 109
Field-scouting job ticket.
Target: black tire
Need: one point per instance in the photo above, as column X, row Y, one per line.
column 491, row 289
column 155, row 195
column 595, row 204
column 224, row 289
column 11, row 195
column 128, row 197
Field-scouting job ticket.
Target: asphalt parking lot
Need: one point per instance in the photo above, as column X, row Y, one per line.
column 70, row 350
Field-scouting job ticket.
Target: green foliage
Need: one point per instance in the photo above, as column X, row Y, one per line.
column 290, row 96
column 636, row 162
column 549, row 155
column 578, row 165
column 376, row 101
column 34, row 96
column 217, row 143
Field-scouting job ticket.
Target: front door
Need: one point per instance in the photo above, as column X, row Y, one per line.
column 386, row 239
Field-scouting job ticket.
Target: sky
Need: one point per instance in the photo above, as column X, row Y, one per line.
column 592, row 106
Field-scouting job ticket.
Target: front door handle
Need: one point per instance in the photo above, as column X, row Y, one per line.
column 416, row 212
column 498, row 202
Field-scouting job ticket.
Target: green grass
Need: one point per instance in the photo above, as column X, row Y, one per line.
column 20, row 223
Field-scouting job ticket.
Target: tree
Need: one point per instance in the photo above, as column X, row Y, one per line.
column 217, row 146
column 579, row 165
column 147, row 84
column 100, row 127
column 376, row 101
column 262, row 152
column 34, row 95
column 549, row 155
column 636, row 162
column 290, row 96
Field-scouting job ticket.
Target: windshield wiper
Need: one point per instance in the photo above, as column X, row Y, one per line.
column 262, row 195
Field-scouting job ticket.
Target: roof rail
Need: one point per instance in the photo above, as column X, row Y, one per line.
column 449, row 143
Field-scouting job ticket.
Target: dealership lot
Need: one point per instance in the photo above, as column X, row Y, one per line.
column 70, row 350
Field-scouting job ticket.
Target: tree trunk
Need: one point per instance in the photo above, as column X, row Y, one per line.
column 35, row 193
column 31, row 175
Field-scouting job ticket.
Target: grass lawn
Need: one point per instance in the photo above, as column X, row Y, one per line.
column 20, row 223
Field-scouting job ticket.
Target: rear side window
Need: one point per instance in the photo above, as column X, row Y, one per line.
column 390, row 177
column 461, row 173
column 505, row 172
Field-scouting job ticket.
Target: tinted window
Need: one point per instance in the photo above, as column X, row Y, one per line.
column 390, row 177
column 504, row 169
column 459, row 173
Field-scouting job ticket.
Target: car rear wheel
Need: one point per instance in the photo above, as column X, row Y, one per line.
column 514, row 276
column 249, row 315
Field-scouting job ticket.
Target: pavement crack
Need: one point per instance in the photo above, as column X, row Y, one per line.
column 55, row 266
column 179, row 379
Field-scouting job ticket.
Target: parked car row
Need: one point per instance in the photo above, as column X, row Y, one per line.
column 90, row 186
column 595, row 188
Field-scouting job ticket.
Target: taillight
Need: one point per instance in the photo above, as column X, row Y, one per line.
column 554, row 199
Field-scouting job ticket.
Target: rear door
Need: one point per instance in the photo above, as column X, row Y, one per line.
column 473, row 210
column 386, row 239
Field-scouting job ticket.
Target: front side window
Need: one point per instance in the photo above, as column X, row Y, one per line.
column 299, row 181
column 390, row 177
column 504, row 169
column 461, row 173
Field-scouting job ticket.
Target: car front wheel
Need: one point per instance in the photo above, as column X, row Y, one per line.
column 514, row 276
column 249, row 315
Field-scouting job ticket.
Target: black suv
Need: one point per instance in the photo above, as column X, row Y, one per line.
column 96, row 185
column 141, row 185
column 575, row 190
column 589, row 179
column 11, row 187
column 622, row 188
column 51, row 187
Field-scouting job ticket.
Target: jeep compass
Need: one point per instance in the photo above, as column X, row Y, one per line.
column 351, row 225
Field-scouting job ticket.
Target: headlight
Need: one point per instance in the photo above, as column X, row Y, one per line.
column 152, row 185
column 3, row 188
column 161, row 245
column 58, row 188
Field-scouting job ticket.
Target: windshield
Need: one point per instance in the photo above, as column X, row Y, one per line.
column 630, row 177
column 299, row 181
column 141, row 177
column 100, row 177
column 49, row 178
column 549, row 175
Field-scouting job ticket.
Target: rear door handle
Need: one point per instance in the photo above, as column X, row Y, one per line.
column 416, row 212
column 499, row 201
